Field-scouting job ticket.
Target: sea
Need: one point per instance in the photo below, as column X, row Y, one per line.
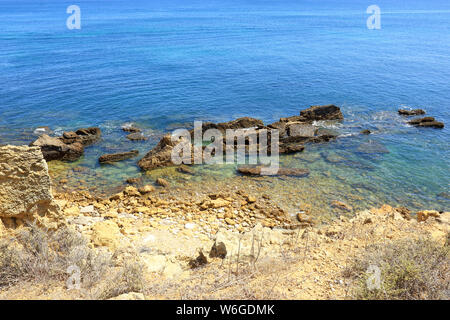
column 163, row 64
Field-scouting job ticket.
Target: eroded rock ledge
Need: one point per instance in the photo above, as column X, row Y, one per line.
column 25, row 188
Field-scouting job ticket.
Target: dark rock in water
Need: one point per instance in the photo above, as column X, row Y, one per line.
column 429, row 122
column 366, row 132
column 218, row 250
column 88, row 136
column 114, row 157
column 327, row 112
column 372, row 147
column 445, row 195
column 136, row 136
column 432, row 124
column 240, row 123
column 199, row 261
column 69, row 147
column 415, row 112
column 257, row 171
column 55, row 149
column 294, row 119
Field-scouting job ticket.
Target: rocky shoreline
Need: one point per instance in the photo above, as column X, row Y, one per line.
column 178, row 239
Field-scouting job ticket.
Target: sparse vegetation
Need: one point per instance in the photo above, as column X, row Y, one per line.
column 410, row 269
column 38, row 255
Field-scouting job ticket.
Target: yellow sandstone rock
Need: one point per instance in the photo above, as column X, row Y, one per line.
column 106, row 233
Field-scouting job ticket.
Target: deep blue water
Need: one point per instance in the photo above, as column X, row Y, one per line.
column 165, row 63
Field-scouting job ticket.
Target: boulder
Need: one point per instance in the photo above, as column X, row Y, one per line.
column 327, row 112
column 55, row 149
column 114, row 157
column 69, row 147
column 106, row 233
column 415, row 112
column 25, row 188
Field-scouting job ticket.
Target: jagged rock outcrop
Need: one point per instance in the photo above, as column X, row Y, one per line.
column 69, row 147
column 25, row 188
column 292, row 136
column 327, row 112
column 161, row 155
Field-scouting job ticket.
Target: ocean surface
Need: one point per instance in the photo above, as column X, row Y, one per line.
column 163, row 64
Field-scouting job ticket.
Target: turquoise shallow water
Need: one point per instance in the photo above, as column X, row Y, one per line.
column 163, row 64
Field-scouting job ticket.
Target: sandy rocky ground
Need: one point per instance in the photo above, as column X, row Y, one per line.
column 267, row 255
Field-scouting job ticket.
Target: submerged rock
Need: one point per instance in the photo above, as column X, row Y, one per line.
column 136, row 136
column 114, row 157
column 372, row 147
column 415, row 112
column 257, row 171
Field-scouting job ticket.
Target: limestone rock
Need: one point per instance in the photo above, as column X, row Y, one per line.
column 25, row 188
column 106, row 233
column 146, row 189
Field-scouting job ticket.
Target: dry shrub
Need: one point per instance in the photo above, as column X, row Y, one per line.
column 128, row 278
column 36, row 254
column 410, row 269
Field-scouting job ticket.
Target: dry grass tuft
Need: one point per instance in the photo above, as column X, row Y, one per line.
column 409, row 270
